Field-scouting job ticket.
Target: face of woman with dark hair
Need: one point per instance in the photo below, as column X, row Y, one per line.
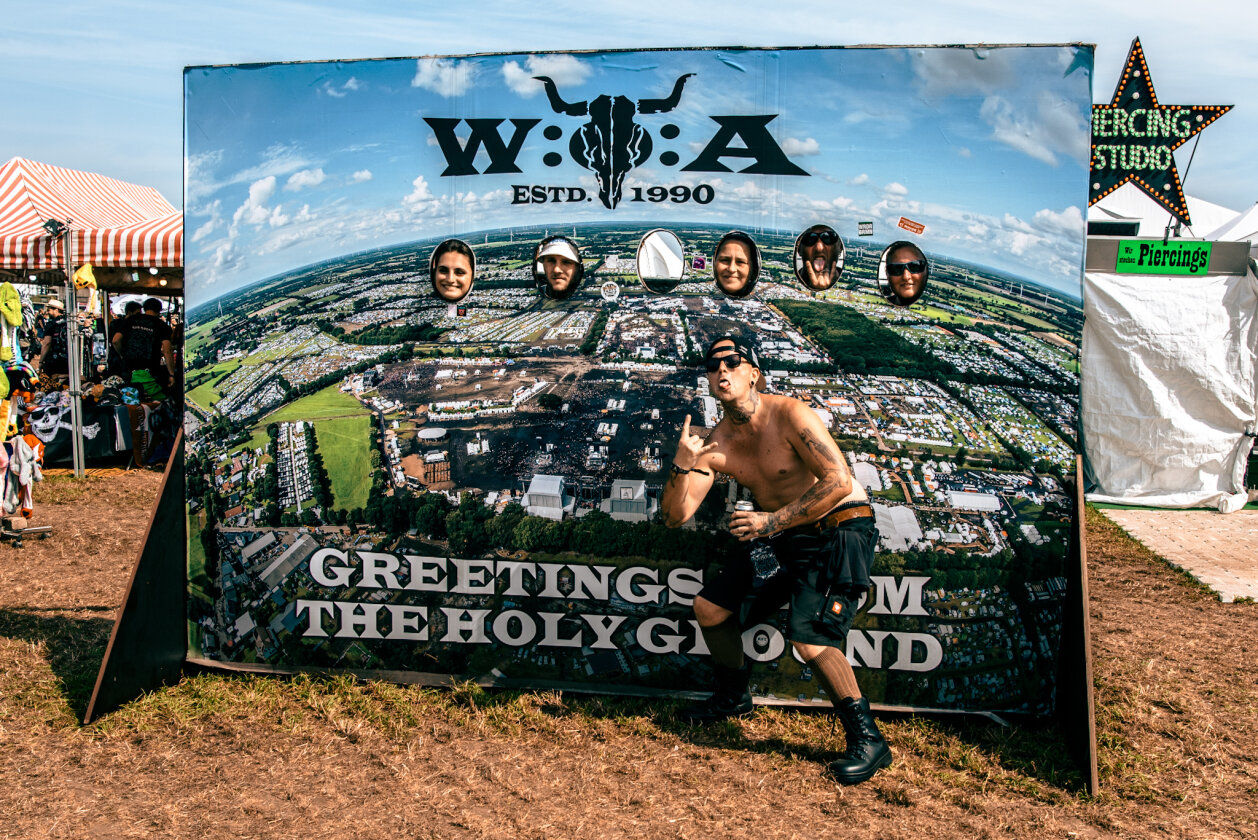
column 733, row 267
column 906, row 272
column 454, row 276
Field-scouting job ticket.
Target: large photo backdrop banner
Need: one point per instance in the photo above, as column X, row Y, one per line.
column 447, row 318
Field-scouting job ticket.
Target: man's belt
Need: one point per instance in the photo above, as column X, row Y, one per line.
column 841, row 514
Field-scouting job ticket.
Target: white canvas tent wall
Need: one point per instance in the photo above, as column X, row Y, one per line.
column 1169, row 397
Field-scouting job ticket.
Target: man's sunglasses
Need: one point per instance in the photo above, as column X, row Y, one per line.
column 914, row 267
column 731, row 360
column 826, row 237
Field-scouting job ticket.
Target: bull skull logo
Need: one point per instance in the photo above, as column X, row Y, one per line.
column 611, row 143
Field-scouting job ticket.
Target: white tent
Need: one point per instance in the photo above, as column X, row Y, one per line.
column 1169, row 398
column 1242, row 228
column 1130, row 203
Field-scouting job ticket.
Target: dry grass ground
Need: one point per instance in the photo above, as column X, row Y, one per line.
column 243, row 757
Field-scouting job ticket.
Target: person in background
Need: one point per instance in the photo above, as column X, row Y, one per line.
column 54, row 354
column 143, row 343
column 113, row 364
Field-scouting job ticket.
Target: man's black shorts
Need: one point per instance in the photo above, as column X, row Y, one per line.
column 821, row 613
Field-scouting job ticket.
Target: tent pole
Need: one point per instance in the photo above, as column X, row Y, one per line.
column 74, row 348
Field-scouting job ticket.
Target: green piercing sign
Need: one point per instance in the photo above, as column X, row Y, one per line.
column 1152, row 256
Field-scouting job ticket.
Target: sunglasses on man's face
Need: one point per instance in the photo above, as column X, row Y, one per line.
column 731, row 360
column 826, row 237
column 898, row 268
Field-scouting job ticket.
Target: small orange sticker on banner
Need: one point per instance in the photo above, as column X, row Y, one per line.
column 911, row 226
column 836, row 608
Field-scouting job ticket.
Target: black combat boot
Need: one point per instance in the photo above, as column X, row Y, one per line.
column 867, row 751
column 732, row 697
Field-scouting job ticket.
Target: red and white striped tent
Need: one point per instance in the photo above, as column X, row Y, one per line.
column 113, row 224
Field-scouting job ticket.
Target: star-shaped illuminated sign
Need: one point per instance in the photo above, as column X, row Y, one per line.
column 1133, row 138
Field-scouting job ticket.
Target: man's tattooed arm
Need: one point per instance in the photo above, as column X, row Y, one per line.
column 834, row 483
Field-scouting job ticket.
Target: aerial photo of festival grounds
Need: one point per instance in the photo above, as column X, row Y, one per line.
column 495, row 466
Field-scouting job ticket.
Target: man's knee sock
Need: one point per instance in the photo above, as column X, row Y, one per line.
column 725, row 643
column 835, row 673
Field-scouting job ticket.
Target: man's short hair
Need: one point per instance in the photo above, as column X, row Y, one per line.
column 132, row 307
column 152, row 305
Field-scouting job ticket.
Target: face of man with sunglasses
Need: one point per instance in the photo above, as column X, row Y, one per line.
column 729, row 373
column 817, row 249
column 906, row 272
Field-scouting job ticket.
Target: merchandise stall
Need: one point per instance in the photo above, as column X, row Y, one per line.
column 88, row 237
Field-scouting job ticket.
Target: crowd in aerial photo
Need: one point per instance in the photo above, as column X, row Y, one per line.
column 382, row 479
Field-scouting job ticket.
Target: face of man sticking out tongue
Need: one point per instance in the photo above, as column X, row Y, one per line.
column 817, row 249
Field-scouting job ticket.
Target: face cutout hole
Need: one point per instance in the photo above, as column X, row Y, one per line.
column 819, row 255
column 903, row 273
column 557, row 267
column 452, row 269
column 736, row 264
column 661, row 261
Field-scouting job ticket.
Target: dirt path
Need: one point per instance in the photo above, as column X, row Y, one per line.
column 268, row 758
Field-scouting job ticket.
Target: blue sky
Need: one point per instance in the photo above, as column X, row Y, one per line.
column 290, row 164
column 99, row 86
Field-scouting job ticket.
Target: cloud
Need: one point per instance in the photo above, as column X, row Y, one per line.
column 1068, row 222
column 1020, row 243
column 564, row 69
column 255, row 209
column 443, row 76
column 862, row 178
column 800, row 148
column 966, row 70
column 344, row 90
column 361, row 175
column 212, row 224
column 1055, row 127
column 420, row 195
column 277, row 160
column 896, row 188
column 305, row 178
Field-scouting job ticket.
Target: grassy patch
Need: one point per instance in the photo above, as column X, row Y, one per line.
column 206, row 394
column 199, row 335
column 258, row 440
column 196, row 552
column 345, row 444
column 330, row 402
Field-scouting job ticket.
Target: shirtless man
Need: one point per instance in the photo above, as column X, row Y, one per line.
column 823, row 536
